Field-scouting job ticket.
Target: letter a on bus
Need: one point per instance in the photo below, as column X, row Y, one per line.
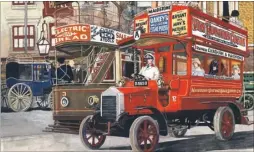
column 137, row 35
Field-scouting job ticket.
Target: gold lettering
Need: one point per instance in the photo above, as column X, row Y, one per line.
column 75, row 38
column 83, row 37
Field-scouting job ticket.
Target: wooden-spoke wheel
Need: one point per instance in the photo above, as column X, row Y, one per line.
column 4, row 99
column 224, row 123
column 89, row 135
column 178, row 132
column 247, row 101
column 144, row 134
column 20, row 97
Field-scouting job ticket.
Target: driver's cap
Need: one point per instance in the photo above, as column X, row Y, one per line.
column 149, row 56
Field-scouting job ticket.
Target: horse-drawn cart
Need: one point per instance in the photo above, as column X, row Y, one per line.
column 26, row 81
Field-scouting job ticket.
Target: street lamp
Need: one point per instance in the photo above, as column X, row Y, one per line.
column 42, row 43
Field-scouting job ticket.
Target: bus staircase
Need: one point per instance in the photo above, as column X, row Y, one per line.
column 98, row 64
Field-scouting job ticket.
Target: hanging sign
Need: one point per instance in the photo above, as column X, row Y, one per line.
column 213, row 51
column 179, row 23
column 72, row 33
column 101, row 34
column 105, row 35
column 120, row 36
column 159, row 24
column 211, row 31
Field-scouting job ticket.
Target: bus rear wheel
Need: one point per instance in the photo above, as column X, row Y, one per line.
column 224, row 123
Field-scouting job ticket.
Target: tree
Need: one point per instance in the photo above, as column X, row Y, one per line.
column 121, row 5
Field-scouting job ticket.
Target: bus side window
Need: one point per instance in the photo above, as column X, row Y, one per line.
column 213, row 66
column 235, row 70
column 198, row 65
column 224, row 70
column 179, row 63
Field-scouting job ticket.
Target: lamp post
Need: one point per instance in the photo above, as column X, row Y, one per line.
column 43, row 43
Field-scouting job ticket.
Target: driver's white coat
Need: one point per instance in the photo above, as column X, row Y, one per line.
column 150, row 72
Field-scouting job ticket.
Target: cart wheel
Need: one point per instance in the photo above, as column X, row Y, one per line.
column 4, row 99
column 224, row 123
column 178, row 133
column 144, row 134
column 20, row 97
column 249, row 101
column 88, row 134
column 51, row 100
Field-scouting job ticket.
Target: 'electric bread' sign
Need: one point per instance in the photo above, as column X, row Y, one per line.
column 211, row 31
column 72, row 33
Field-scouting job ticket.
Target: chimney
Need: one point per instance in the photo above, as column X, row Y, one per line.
column 225, row 11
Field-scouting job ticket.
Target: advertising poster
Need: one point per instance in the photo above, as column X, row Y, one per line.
column 179, row 23
column 219, row 34
column 103, row 35
column 72, row 33
column 159, row 24
column 142, row 24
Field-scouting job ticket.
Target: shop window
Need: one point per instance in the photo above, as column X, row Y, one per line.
column 18, row 37
column 198, row 64
column 235, row 70
column 179, row 63
column 224, row 69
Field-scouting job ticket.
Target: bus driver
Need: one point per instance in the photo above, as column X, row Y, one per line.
column 150, row 71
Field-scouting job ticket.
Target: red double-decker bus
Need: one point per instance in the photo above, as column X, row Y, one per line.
column 200, row 60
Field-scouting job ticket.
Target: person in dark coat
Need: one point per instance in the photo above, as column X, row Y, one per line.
column 79, row 74
column 64, row 72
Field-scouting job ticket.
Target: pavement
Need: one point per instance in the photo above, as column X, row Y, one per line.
column 23, row 132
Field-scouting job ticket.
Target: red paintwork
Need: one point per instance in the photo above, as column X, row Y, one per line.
column 186, row 92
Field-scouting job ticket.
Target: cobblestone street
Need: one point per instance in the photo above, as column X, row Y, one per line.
column 23, row 132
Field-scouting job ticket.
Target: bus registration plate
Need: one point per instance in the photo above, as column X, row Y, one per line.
column 141, row 83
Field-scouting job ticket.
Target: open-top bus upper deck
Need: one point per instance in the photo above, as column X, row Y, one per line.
column 188, row 22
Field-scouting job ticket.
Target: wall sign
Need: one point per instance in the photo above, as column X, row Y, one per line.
column 50, row 8
column 209, row 50
column 159, row 9
column 142, row 24
column 211, row 31
column 179, row 22
column 159, row 24
column 72, row 33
